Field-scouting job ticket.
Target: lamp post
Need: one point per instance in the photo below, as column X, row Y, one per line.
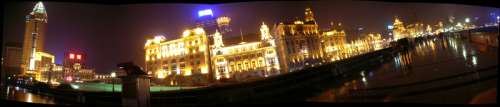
column 498, row 19
column 467, row 22
column 113, row 75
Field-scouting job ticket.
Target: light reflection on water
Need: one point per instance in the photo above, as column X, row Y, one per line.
column 23, row 95
column 474, row 61
column 438, row 55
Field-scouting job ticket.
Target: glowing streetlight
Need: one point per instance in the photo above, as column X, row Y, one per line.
column 113, row 75
column 498, row 19
column 467, row 20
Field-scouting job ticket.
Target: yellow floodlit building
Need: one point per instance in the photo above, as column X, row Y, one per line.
column 179, row 61
column 34, row 39
column 375, row 41
column 399, row 30
column 299, row 42
column 332, row 43
column 439, row 28
column 415, row 30
column 197, row 58
column 247, row 59
column 43, row 61
column 185, row 61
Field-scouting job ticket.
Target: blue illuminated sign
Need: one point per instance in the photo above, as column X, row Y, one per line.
column 390, row 27
column 205, row 12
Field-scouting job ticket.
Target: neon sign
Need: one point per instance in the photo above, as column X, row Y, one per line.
column 205, row 12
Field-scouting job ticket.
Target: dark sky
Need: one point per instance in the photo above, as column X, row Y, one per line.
column 111, row 34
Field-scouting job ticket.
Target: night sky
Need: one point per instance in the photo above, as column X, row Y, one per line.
column 110, row 34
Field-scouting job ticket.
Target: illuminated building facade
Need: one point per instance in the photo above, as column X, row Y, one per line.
column 42, row 61
column 415, row 30
column 199, row 56
column 102, row 76
column 252, row 59
column 12, row 59
column 56, row 74
column 374, row 41
column 74, row 58
column 75, row 68
column 34, row 36
column 183, row 61
column 332, row 43
column 84, row 75
column 298, row 42
column 439, row 28
column 428, row 29
column 53, row 73
column 399, row 31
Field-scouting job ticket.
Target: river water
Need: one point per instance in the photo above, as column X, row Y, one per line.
column 441, row 70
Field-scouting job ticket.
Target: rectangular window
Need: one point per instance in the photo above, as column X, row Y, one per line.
column 239, row 67
column 246, row 65
column 183, row 65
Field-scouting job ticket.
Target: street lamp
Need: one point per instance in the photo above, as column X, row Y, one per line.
column 113, row 75
column 498, row 19
column 467, row 20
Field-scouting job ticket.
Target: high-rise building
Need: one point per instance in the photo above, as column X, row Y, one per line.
column 299, row 42
column 34, row 36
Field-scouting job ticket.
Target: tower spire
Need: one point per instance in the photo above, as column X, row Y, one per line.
column 39, row 8
column 218, row 39
column 264, row 32
column 309, row 16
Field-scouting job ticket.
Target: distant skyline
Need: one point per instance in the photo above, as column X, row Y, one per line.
column 110, row 34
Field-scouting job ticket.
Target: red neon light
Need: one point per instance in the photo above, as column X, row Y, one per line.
column 71, row 56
